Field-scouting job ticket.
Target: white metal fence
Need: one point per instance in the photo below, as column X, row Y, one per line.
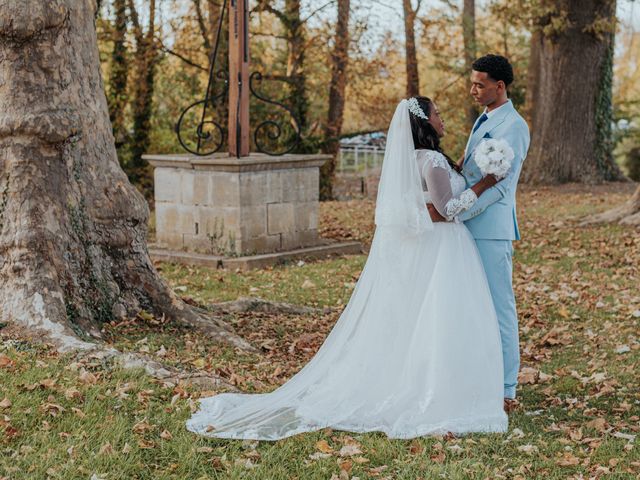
column 360, row 159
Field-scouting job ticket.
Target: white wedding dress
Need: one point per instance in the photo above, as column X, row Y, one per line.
column 416, row 350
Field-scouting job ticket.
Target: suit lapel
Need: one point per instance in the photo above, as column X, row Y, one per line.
column 487, row 126
column 466, row 149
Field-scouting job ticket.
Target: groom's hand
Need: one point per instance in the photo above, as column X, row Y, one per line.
column 434, row 214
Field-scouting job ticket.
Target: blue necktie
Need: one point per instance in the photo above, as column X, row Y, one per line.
column 483, row 118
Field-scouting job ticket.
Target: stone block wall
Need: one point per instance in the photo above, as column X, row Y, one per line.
column 227, row 206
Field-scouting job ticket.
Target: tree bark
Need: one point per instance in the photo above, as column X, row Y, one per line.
column 337, row 87
column 72, row 228
column 572, row 120
column 469, row 36
column 413, row 79
column 117, row 98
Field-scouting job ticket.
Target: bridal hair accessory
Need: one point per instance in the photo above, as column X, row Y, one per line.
column 494, row 157
column 414, row 107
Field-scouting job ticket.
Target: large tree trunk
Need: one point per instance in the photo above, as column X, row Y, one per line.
column 626, row 214
column 572, row 121
column 469, row 36
column 413, row 79
column 117, row 98
column 339, row 63
column 73, row 229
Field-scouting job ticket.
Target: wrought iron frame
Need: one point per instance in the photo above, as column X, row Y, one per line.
column 271, row 129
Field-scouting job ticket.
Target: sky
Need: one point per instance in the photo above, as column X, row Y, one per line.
column 391, row 10
column 387, row 14
column 629, row 14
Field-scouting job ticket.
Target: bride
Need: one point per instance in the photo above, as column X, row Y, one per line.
column 417, row 349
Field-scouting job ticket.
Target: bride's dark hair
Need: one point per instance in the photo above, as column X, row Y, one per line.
column 425, row 136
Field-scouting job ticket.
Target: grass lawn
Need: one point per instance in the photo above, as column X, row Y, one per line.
column 579, row 304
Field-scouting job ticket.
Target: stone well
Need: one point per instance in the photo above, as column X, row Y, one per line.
column 221, row 205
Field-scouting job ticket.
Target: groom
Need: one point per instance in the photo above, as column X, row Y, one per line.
column 492, row 219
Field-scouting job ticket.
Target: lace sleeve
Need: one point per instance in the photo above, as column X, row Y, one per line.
column 436, row 173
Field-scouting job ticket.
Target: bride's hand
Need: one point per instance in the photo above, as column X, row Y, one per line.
column 434, row 214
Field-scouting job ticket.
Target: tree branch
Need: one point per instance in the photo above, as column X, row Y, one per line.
column 180, row 56
column 383, row 4
column 449, row 85
column 265, row 6
column 137, row 29
column 318, row 10
column 272, row 35
column 201, row 25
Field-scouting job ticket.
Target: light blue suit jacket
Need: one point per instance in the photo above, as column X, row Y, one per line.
column 493, row 216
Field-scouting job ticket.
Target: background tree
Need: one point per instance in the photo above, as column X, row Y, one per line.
column 73, row 229
column 117, row 83
column 146, row 60
column 469, row 36
column 208, row 26
column 295, row 34
column 533, row 74
column 337, row 88
column 627, row 133
column 413, row 78
column 571, row 127
column 376, row 62
column 376, row 82
column 625, row 100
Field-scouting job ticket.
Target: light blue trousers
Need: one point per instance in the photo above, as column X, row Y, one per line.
column 497, row 260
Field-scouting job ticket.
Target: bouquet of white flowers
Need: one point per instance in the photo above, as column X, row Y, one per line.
column 494, row 157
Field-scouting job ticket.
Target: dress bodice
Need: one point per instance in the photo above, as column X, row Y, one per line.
column 436, row 159
column 442, row 186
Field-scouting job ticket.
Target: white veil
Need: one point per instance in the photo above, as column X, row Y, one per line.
column 400, row 204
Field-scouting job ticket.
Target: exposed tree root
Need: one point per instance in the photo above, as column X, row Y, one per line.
column 166, row 373
column 253, row 304
column 626, row 214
